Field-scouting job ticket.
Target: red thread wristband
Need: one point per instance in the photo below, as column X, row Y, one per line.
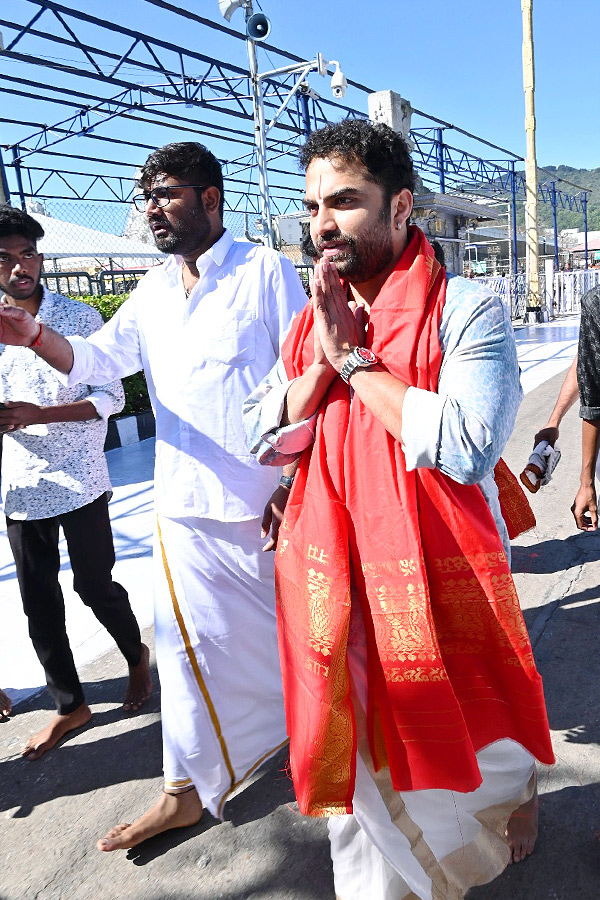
column 38, row 340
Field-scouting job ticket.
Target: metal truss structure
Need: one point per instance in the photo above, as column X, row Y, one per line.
column 104, row 83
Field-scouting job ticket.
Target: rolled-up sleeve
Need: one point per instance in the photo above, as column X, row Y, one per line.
column 269, row 442
column 463, row 427
column 107, row 399
column 110, row 353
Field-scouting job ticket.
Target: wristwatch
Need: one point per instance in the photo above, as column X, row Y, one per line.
column 358, row 358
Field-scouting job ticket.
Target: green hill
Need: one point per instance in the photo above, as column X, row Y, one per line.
column 585, row 178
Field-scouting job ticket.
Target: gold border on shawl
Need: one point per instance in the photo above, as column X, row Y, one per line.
column 194, row 662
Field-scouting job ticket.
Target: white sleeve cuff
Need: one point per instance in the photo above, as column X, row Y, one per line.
column 421, row 427
column 289, row 439
column 271, row 407
column 102, row 403
column 82, row 355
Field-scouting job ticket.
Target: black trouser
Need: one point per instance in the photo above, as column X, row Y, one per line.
column 34, row 544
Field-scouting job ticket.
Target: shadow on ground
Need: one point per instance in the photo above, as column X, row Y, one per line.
column 566, row 863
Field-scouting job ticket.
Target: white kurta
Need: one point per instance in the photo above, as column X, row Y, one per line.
column 428, row 844
column 215, row 620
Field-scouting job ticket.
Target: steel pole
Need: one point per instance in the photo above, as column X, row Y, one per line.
column 305, row 110
column 554, row 222
column 260, row 139
column 4, row 188
column 585, row 228
column 440, row 160
column 17, row 164
column 513, row 204
column 531, row 227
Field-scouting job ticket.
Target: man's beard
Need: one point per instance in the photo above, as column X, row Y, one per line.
column 183, row 235
column 366, row 254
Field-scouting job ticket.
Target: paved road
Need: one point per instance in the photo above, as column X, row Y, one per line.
column 52, row 811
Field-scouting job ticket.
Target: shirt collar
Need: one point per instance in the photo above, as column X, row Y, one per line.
column 215, row 254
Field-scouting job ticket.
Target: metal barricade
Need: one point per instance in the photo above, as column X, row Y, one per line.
column 565, row 298
column 119, row 281
column 569, row 288
column 75, row 284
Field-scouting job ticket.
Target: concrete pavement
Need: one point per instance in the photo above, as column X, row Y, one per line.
column 52, row 811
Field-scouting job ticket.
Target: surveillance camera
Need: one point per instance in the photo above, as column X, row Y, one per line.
column 339, row 83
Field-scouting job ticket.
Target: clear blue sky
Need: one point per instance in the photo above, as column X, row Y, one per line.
column 459, row 60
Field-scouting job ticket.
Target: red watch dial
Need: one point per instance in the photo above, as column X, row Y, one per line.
column 367, row 356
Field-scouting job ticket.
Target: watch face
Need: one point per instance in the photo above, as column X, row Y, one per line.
column 367, row 356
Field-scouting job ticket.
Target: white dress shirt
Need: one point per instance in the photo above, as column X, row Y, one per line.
column 52, row 469
column 202, row 356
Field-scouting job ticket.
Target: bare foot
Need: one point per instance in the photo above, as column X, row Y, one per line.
column 139, row 688
column 5, row 704
column 37, row 745
column 171, row 811
column 522, row 829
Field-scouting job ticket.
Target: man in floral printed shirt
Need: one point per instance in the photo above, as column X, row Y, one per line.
column 54, row 474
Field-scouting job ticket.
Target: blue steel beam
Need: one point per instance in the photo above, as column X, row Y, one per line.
column 223, row 88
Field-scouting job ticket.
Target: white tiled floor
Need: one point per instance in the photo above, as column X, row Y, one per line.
column 544, row 350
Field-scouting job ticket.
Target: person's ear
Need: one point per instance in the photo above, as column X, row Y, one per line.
column 211, row 197
column 402, row 204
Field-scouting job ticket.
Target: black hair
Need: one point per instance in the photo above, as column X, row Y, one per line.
column 381, row 150
column 15, row 221
column 439, row 252
column 188, row 160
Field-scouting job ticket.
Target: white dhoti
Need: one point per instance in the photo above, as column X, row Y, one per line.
column 216, row 650
column 431, row 844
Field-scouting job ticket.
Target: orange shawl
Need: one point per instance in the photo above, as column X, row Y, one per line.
column 450, row 667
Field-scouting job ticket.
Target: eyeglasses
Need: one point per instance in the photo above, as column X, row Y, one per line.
column 161, row 196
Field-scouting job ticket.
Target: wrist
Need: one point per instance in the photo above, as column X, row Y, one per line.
column 43, row 415
column 322, row 371
column 37, row 340
column 357, row 358
column 587, row 480
column 337, row 361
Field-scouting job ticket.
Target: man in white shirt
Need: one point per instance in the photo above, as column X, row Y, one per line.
column 54, row 475
column 206, row 327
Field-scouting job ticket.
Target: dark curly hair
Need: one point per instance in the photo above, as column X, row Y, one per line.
column 380, row 149
column 15, row 221
column 188, row 160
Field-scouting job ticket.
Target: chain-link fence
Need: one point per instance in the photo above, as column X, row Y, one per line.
column 94, row 247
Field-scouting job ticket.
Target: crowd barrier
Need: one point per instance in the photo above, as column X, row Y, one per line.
column 562, row 298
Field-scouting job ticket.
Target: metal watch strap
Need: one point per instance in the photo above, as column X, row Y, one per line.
column 352, row 363
column 356, row 360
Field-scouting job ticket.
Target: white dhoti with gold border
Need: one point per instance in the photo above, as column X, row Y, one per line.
column 216, row 650
column 430, row 844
